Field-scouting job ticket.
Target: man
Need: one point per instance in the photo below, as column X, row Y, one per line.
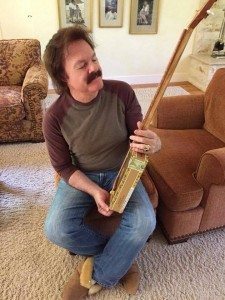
column 144, row 13
column 87, row 132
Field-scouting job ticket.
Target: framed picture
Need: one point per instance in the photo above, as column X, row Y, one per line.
column 110, row 13
column 144, row 16
column 73, row 12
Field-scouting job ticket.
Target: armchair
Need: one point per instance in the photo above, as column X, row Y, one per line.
column 23, row 86
column 189, row 171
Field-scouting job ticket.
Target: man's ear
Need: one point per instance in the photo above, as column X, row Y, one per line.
column 64, row 77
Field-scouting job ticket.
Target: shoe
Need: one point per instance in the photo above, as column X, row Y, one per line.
column 81, row 283
column 73, row 290
column 131, row 280
column 86, row 277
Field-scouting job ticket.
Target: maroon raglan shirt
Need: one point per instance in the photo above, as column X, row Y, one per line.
column 91, row 136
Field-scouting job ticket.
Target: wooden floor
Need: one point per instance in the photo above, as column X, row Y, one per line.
column 190, row 88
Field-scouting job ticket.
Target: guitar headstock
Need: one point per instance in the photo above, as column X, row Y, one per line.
column 202, row 13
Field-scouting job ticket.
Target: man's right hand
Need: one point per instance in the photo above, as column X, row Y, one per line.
column 101, row 198
column 80, row 181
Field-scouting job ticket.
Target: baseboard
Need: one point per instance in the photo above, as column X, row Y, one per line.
column 141, row 79
column 148, row 79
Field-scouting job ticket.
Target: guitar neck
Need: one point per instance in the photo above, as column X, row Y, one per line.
column 167, row 77
column 149, row 117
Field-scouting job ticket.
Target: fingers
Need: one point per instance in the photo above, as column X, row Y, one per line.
column 145, row 133
column 139, row 139
column 142, row 148
column 139, row 125
column 145, row 141
column 105, row 213
column 144, row 144
column 103, row 205
column 103, row 209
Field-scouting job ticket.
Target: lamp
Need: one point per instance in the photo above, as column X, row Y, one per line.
column 218, row 50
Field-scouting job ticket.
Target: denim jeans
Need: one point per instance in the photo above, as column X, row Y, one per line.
column 113, row 256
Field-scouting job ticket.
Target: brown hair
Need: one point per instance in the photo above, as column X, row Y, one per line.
column 55, row 52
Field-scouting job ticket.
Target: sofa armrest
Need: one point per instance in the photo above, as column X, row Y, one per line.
column 34, row 90
column 150, row 188
column 211, row 168
column 180, row 112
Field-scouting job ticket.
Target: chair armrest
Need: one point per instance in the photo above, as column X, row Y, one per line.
column 34, row 90
column 211, row 168
column 180, row 112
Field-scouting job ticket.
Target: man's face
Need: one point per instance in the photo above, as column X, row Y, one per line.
column 82, row 69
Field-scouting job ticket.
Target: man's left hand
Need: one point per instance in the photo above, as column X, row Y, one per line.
column 145, row 140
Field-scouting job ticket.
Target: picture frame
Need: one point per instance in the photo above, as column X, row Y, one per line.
column 144, row 17
column 111, row 13
column 77, row 12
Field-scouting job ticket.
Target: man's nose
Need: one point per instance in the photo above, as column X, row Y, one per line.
column 93, row 67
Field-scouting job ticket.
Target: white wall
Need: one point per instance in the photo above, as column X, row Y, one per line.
column 143, row 58
column 133, row 58
column 29, row 19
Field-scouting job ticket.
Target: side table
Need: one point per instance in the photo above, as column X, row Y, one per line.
column 202, row 67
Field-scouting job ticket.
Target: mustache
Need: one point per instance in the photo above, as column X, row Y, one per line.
column 94, row 75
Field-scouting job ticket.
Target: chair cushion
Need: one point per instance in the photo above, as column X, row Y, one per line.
column 172, row 168
column 215, row 105
column 11, row 106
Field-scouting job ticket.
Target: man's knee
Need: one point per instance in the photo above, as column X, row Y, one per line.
column 49, row 230
column 141, row 228
column 55, row 231
column 146, row 225
column 61, row 233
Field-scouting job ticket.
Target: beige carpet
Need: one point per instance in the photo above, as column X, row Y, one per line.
column 33, row 268
column 144, row 95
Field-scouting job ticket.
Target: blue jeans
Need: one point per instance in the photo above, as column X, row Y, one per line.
column 113, row 256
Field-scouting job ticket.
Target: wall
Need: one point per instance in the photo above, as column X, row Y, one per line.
column 133, row 58
column 143, row 58
column 28, row 19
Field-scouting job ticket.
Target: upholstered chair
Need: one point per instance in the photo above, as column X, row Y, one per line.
column 23, row 86
column 107, row 225
column 189, row 171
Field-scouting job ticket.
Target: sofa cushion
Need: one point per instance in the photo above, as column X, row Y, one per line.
column 16, row 57
column 11, row 106
column 215, row 105
column 172, row 168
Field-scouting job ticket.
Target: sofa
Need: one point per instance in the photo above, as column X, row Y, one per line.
column 189, row 170
column 23, row 87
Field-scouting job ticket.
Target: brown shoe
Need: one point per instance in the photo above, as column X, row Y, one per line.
column 86, row 277
column 73, row 290
column 131, row 280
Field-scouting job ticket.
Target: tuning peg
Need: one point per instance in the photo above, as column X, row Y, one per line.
column 209, row 12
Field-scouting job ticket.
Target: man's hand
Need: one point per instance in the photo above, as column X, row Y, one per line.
column 101, row 198
column 81, row 182
column 145, row 141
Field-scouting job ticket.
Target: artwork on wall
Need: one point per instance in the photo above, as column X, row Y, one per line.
column 110, row 13
column 144, row 16
column 73, row 12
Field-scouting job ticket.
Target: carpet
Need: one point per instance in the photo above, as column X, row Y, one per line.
column 34, row 269
column 144, row 96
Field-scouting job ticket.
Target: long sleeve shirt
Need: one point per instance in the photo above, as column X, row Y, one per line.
column 91, row 136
